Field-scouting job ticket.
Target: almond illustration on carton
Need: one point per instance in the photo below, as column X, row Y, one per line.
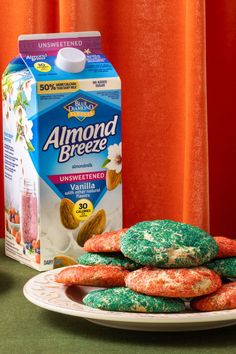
column 113, row 179
column 66, row 213
column 94, row 225
column 63, row 261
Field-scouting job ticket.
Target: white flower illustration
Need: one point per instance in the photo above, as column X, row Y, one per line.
column 21, row 114
column 14, row 90
column 7, row 107
column 115, row 157
column 27, row 127
column 9, row 116
column 24, row 128
column 27, row 88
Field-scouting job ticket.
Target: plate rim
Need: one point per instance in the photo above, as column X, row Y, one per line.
column 128, row 317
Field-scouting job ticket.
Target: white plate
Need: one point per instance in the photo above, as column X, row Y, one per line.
column 43, row 291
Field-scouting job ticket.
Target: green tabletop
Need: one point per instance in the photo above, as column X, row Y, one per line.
column 28, row 329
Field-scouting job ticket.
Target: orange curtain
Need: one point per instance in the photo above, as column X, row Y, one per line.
column 159, row 49
column 221, row 79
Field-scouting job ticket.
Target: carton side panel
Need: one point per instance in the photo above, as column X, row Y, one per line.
column 20, row 178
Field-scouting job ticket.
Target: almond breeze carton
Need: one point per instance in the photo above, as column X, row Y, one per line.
column 62, row 148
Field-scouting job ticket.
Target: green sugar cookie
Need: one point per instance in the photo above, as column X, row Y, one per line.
column 225, row 267
column 115, row 259
column 168, row 244
column 124, row 299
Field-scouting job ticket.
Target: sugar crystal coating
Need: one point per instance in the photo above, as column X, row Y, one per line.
column 115, row 259
column 124, row 299
column 225, row 267
column 179, row 282
column 226, row 247
column 99, row 275
column 168, row 244
column 106, row 242
column 223, row 299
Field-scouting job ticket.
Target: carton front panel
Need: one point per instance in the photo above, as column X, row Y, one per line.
column 79, row 164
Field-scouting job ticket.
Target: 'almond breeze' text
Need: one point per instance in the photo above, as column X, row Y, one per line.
column 79, row 141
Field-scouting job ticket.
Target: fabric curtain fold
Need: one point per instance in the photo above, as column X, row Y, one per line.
column 196, row 195
column 159, row 50
column 221, row 78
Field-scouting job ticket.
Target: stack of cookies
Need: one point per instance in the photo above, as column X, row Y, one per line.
column 151, row 267
column 224, row 265
column 225, row 262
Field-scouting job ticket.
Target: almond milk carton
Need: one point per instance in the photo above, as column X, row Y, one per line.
column 62, row 148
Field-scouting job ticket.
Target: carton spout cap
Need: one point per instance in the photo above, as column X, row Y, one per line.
column 71, row 60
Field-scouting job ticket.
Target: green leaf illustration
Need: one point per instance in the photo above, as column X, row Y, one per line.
column 30, row 146
column 9, row 85
column 105, row 163
column 4, row 95
column 20, row 101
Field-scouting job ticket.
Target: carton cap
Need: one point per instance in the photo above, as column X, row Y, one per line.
column 71, row 60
